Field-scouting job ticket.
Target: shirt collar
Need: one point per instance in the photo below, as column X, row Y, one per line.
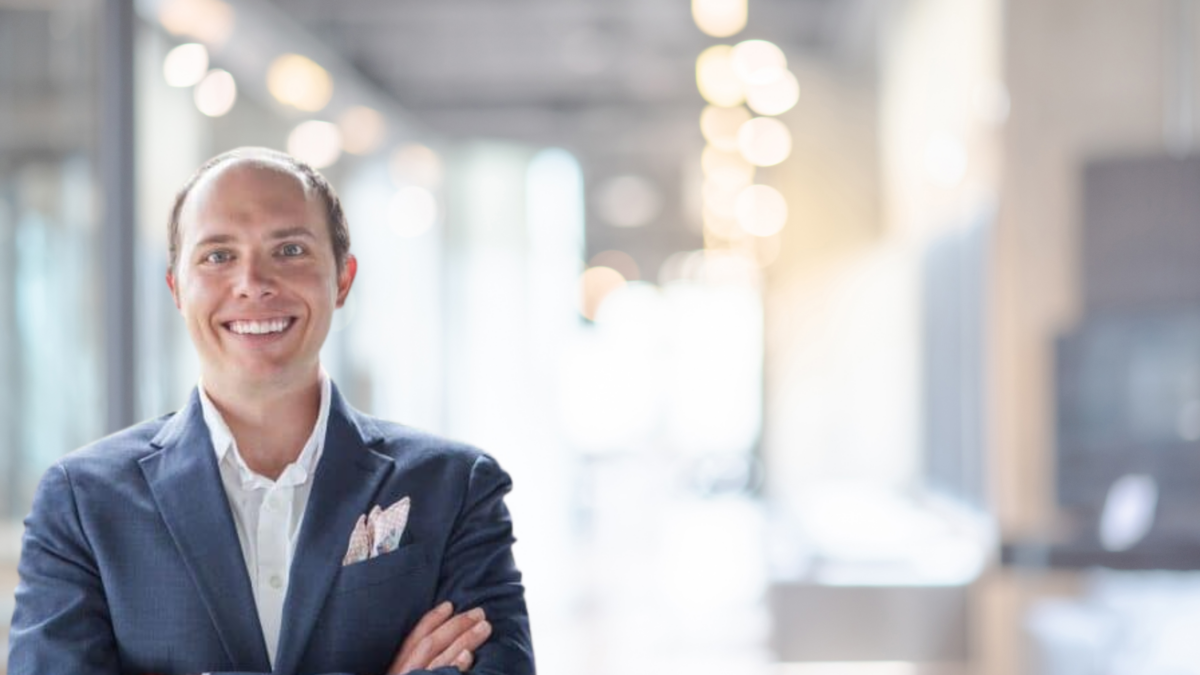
column 295, row 473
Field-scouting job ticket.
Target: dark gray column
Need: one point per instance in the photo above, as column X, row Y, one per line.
column 115, row 153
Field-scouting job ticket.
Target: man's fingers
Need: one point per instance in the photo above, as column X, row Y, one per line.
column 444, row 635
column 434, row 618
column 430, row 622
column 440, row 640
column 466, row 643
column 464, row 661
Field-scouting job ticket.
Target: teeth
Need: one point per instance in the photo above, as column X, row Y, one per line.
column 258, row 327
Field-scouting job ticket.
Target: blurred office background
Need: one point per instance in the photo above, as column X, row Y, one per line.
column 846, row 337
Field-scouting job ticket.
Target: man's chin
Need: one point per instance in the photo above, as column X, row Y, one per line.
column 262, row 373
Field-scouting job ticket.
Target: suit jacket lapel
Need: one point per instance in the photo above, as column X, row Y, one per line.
column 347, row 479
column 186, row 485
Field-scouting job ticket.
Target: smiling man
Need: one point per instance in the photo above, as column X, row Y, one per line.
column 267, row 526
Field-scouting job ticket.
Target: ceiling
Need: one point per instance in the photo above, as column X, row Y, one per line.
column 600, row 76
column 611, row 80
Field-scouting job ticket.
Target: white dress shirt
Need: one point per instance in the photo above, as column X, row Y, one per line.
column 267, row 512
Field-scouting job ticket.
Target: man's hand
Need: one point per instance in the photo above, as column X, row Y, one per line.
column 442, row 638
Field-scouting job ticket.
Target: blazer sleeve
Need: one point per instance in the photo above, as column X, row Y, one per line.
column 61, row 622
column 478, row 570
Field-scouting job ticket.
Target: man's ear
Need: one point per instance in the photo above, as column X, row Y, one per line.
column 174, row 290
column 346, row 278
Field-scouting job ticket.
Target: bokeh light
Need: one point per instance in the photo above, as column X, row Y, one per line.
column 300, row 82
column 715, row 78
column 185, row 65
column 720, row 18
column 595, row 285
column 628, row 201
column 619, row 261
column 216, row 93
column 758, row 62
column 775, row 97
column 761, row 210
column 720, row 199
column 416, row 164
column 945, row 160
column 726, row 168
column 315, row 142
column 209, row 21
column 764, row 141
column 413, row 211
column 720, row 125
column 363, row 130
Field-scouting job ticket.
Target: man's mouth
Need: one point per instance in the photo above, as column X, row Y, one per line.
column 262, row 327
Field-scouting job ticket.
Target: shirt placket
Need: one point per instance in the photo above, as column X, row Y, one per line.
column 272, row 543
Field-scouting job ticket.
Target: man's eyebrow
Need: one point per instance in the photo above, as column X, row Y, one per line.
column 286, row 233
column 215, row 239
column 291, row 232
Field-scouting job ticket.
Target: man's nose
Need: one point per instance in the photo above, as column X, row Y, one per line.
column 256, row 279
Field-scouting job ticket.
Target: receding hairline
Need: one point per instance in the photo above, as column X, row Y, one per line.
column 312, row 182
column 212, row 174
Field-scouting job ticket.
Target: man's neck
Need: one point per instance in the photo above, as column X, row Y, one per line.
column 269, row 423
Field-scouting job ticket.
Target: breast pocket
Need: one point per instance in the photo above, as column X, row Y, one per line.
column 381, row 569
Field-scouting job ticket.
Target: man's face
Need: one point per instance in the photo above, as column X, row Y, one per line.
column 256, row 280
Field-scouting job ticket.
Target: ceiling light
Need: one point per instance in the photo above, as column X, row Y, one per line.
column 363, row 130
column 764, row 141
column 216, row 93
column 758, row 61
column 209, row 21
column 775, row 97
column 715, row 78
column 720, row 126
column 185, row 65
column 316, row 143
column 719, row 18
column 298, row 81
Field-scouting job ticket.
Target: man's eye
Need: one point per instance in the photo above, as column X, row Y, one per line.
column 292, row 250
column 218, row 257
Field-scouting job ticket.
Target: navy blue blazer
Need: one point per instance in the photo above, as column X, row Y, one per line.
column 131, row 563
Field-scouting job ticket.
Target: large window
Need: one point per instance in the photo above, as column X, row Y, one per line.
column 50, row 305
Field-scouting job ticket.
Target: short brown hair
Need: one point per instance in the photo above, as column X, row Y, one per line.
column 339, row 229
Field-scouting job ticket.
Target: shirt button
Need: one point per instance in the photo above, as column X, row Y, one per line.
column 276, row 581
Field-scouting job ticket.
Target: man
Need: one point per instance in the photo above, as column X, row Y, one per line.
column 267, row 526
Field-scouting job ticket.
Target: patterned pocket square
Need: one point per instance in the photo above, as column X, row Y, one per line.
column 377, row 533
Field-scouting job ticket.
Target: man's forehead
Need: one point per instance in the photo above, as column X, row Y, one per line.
column 242, row 171
column 250, row 184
